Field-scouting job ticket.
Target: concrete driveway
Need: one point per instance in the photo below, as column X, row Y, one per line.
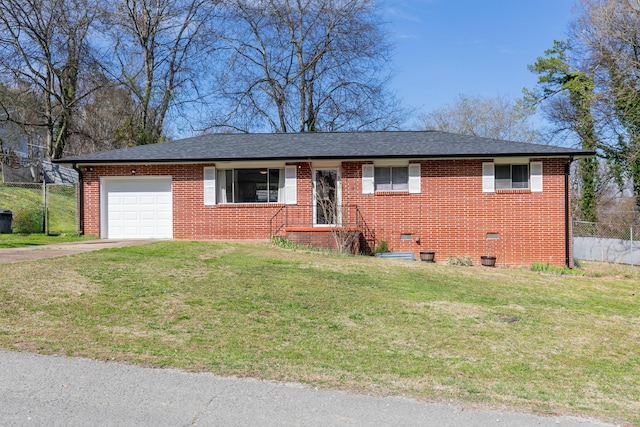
column 58, row 391
column 8, row 255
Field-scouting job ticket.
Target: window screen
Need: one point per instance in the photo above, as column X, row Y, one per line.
column 509, row 177
column 391, row 178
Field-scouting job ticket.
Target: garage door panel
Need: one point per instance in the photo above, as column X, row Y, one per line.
column 148, row 216
column 148, row 199
column 130, row 231
column 139, row 208
column 114, row 198
column 130, row 199
column 164, row 215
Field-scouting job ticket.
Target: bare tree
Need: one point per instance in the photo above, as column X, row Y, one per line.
column 44, row 46
column 21, row 108
column 496, row 117
column 106, row 121
column 159, row 48
column 305, row 66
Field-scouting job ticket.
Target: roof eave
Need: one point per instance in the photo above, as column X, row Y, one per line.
column 575, row 155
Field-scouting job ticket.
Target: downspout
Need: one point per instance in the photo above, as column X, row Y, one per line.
column 567, row 213
column 80, row 200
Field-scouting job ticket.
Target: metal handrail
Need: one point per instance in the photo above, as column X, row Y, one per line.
column 302, row 216
column 368, row 234
column 271, row 222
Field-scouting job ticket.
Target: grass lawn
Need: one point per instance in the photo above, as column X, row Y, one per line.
column 24, row 240
column 61, row 205
column 510, row 338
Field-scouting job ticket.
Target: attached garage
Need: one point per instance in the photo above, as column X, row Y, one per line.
column 136, row 208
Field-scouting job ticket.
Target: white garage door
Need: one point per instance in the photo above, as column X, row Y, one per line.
column 137, row 208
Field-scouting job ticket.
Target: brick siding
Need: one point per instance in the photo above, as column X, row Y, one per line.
column 450, row 216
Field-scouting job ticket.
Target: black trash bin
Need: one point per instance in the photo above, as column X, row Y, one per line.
column 6, row 221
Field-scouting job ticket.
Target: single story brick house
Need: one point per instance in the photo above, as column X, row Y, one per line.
column 418, row 191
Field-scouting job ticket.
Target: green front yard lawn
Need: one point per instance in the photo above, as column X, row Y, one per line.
column 25, row 240
column 514, row 338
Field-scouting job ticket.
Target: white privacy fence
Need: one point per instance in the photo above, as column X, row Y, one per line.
column 612, row 243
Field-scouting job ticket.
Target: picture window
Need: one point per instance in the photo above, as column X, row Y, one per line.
column 261, row 185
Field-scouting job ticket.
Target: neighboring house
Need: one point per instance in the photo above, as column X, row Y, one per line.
column 57, row 174
column 452, row 194
column 23, row 170
column 22, row 159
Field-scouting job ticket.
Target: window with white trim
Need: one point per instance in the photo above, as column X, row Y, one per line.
column 512, row 176
column 250, row 185
column 391, row 178
column 259, row 185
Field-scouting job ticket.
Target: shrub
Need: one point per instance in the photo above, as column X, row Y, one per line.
column 552, row 269
column 382, row 247
column 464, row 261
column 283, row 242
column 28, row 221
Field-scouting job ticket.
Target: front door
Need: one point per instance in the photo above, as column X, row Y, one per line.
column 326, row 207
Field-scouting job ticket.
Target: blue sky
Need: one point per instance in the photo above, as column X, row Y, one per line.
column 444, row 48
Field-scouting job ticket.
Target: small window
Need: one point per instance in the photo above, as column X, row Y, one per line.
column 391, row 178
column 511, row 177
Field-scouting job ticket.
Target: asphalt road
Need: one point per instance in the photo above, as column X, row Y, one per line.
column 40, row 390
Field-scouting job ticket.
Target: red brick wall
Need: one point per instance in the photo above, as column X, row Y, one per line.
column 191, row 218
column 450, row 216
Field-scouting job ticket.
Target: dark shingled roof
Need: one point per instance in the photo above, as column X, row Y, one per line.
column 339, row 145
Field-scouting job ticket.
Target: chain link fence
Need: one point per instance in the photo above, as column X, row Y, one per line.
column 614, row 243
column 41, row 208
column 61, row 209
